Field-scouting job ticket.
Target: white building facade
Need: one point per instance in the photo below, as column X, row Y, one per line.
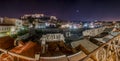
column 93, row 32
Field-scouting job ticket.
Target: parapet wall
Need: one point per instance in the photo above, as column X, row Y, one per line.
column 93, row 32
column 74, row 57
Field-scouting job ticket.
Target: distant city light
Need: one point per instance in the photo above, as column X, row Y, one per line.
column 91, row 25
column 73, row 27
column 47, row 24
column 85, row 25
column 65, row 26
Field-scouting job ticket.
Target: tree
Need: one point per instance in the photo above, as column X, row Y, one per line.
column 30, row 19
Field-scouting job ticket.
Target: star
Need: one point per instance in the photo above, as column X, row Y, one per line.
column 77, row 11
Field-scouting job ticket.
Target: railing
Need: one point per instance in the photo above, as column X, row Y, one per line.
column 109, row 51
column 16, row 56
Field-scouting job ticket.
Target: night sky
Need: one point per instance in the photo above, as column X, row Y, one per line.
column 74, row 10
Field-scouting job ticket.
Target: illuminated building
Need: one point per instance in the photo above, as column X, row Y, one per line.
column 32, row 15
